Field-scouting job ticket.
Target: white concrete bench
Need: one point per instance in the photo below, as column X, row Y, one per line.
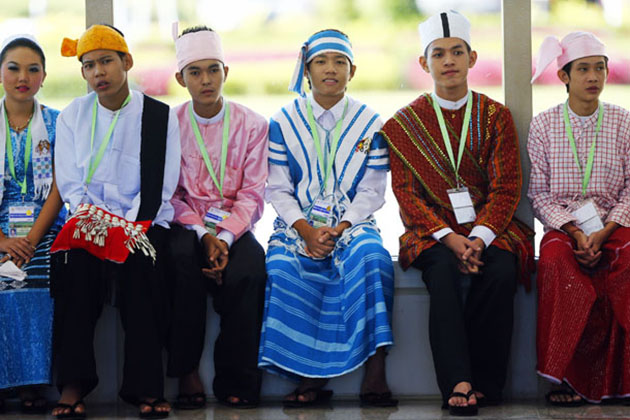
column 409, row 364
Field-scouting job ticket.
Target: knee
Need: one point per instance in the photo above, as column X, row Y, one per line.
column 501, row 270
column 369, row 247
column 439, row 263
column 183, row 247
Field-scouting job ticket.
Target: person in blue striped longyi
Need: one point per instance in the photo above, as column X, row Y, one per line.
column 329, row 292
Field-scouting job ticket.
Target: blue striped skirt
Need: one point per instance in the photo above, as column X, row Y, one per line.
column 324, row 318
column 26, row 312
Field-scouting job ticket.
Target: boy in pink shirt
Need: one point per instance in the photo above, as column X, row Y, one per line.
column 218, row 200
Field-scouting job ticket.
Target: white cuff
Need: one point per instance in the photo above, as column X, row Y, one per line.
column 484, row 233
column 199, row 230
column 441, row 233
column 227, row 236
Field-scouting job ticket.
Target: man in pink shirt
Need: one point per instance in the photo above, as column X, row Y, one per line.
column 217, row 202
column 580, row 191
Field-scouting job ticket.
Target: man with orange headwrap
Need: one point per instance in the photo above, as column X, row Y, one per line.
column 117, row 164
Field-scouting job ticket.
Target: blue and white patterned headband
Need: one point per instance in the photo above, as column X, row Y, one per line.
column 320, row 43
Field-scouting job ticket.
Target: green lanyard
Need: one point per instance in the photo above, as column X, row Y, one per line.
column 224, row 146
column 591, row 154
column 27, row 151
column 333, row 148
column 462, row 137
column 95, row 161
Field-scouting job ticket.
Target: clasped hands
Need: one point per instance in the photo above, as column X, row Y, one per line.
column 216, row 253
column 468, row 252
column 588, row 250
column 320, row 241
column 19, row 250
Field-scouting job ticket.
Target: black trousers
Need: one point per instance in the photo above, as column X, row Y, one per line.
column 470, row 335
column 239, row 302
column 80, row 285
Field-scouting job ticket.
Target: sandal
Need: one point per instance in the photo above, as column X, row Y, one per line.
column 377, row 399
column 190, row 401
column 37, row 405
column 241, row 403
column 153, row 413
column 322, row 396
column 463, row 410
column 73, row 414
column 568, row 392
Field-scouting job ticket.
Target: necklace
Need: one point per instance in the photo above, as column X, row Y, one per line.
column 18, row 128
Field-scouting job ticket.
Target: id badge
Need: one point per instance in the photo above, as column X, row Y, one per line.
column 462, row 205
column 21, row 219
column 587, row 218
column 321, row 213
column 213, row 217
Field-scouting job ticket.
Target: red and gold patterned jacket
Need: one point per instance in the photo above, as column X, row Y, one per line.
column 490, row 168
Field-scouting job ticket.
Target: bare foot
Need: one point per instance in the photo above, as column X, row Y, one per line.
column 563, row 394
column 464, row 388
column 147, row 405
column 70, row 395
column 306, row 384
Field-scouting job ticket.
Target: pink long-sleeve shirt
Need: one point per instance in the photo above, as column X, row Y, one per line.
column 555, row 186
column 245, row 173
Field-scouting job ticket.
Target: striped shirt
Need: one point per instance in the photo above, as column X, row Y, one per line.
column 555, row 188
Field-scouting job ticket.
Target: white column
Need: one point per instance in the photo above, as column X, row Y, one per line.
column 517, row 72
column 99, row 11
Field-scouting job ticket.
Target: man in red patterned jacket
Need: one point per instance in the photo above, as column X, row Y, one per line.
column 457, row 200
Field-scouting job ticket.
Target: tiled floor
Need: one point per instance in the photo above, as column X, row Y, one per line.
column 346, row 410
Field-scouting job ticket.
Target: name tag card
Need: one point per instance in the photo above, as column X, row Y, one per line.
column 321, row 213
column 213, row 217
column 21, row 219
column 462, row 205
column 587, row 218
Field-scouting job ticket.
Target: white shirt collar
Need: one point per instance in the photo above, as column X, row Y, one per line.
column 583, row 119
column 211, row 120
column 336, row 109
column 452, row 105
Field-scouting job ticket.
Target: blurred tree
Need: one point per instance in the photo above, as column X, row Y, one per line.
column 348, row 9
column 402, row 9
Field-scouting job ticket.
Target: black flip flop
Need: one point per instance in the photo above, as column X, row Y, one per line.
column 463, row 410
column 153, row 414
column 72, row 415
column 377, row 399
column 568, row 392
column 322, row 396
column 190, row 401
column 242, row 403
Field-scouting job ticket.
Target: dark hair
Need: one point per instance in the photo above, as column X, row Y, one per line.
column 426, row 50
column 194, row 29
column 23, row 42
column 120, row 53
column 114, row 28
column 308, row 65
column 567, row 69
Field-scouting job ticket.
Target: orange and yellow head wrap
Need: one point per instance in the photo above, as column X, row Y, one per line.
column 96, row 37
